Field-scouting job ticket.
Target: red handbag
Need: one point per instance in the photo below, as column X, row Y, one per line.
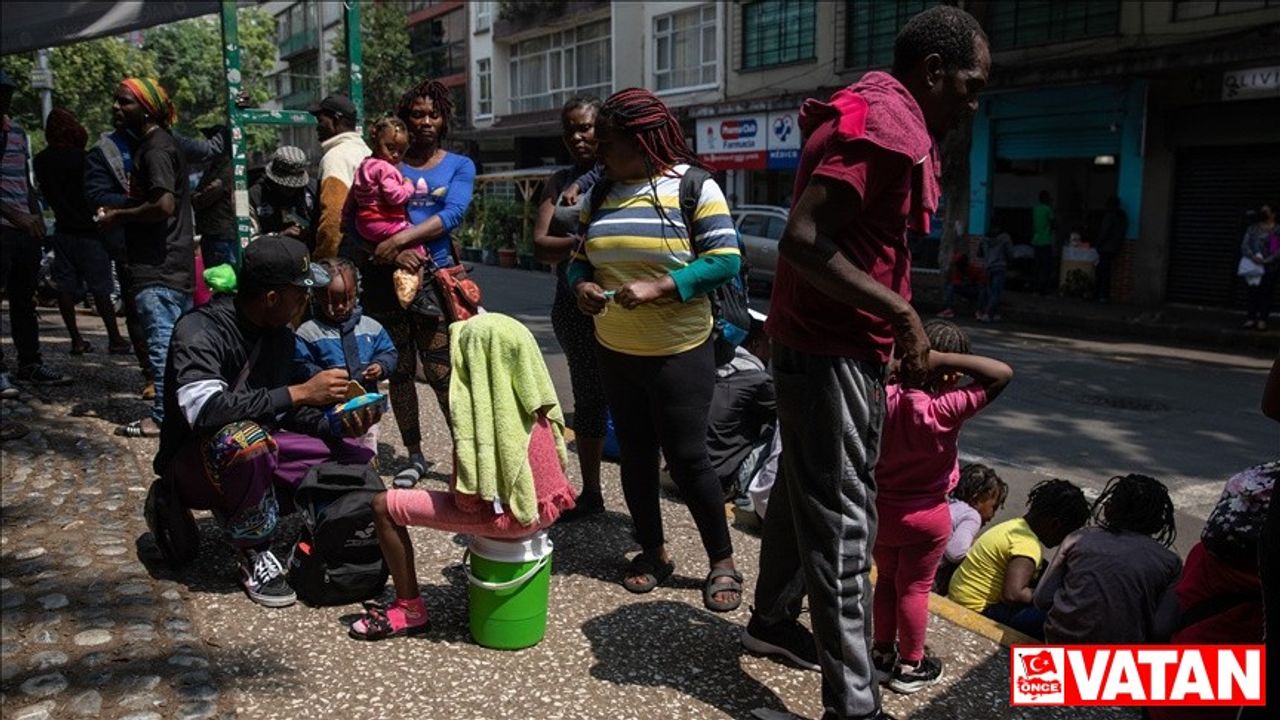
column 459, row 294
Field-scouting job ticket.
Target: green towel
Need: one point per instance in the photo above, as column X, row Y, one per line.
column 499, row 386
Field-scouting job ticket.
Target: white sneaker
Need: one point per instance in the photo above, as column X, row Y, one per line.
column 7, row 389
column 263, row 580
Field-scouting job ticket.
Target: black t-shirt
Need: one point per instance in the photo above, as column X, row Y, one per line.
column 161, row 253
column 276, row 207
column 60, row 173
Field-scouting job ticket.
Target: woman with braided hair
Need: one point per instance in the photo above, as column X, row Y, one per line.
column 643, row 271
column 1115, row 583
column 442, row 185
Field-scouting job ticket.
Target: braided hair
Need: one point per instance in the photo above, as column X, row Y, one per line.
column 1137, row 503
column 437, row 93
column 1061, row 500
column 334, row 266
column 978, row 482
column 641, row 115
column 377, row 127
column 946, row 336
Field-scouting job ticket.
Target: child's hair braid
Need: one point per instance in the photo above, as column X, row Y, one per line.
column 1059, row 499
column 1137, row 503
column 946, row 336
column 977, row 482
column 377, row 127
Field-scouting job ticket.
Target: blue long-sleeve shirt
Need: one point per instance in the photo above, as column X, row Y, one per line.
column 355, row 345
column 443, row 190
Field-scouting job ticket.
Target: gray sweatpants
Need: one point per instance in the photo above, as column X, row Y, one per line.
column 821, row 523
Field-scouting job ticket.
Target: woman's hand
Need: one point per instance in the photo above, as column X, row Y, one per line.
column 387, row 251
column 591, row 298
column 570, row 195
column 407, row 260
column 639, row 292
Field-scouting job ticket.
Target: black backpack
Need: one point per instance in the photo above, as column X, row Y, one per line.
column 337, row 560
column 732, row 320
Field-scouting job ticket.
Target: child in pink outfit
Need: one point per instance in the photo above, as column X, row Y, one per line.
column 917, row 469
column 379, row 194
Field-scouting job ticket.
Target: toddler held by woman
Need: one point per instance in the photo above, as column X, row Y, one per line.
column 380, row 193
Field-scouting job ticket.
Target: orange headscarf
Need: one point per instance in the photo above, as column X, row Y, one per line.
column 153, row 97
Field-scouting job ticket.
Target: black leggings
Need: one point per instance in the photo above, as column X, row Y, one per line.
column 576, row 333
column 663, row 403
column 419, row 340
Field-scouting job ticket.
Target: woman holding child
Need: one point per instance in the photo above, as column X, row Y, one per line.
column 441, row 184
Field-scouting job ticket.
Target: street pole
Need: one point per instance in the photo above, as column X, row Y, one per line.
column 46, row 89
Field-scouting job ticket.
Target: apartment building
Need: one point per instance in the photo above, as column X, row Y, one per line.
column 305, row 34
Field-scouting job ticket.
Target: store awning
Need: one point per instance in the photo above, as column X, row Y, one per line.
column 35, row 25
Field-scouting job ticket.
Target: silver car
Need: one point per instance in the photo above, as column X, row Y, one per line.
column 761, row 228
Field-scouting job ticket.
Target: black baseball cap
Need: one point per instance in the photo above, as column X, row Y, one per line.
column 339, row 105
column 276, row 260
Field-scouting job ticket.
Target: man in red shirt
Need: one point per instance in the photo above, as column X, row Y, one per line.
column 840, row 312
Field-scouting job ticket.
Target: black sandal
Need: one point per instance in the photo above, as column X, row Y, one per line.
column 653, row 573
column 712, row 587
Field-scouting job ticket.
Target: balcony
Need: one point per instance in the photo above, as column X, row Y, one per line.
column 516, row 17
column 299, row 43
column 300, row 99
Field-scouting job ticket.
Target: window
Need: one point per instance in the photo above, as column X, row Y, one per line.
column 500, row 190
column 484, row 87
column 458, row 94
column 775, row 228
column 548, row 70
column 753, row 225
column 1018, row 23
column 685, row 48
column 484, row 15
column 872, row 26
column 439, row 45
column 1195, row 9
column 778, row 31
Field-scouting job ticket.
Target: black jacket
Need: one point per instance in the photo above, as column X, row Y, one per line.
column 210, row 347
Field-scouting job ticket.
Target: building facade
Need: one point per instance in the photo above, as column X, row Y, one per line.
column 306, row 31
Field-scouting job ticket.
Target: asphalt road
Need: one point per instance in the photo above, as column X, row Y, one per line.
column 1080, row 409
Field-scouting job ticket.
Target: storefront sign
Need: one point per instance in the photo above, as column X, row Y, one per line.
column 750, row 142
column 1251, row 83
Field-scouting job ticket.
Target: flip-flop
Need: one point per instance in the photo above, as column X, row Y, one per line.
column 378, row 627
column 711, row 587
column 653, row 573
column 81, row 347
column 410, row 476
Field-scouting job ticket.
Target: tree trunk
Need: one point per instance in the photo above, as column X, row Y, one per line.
column 955, row 191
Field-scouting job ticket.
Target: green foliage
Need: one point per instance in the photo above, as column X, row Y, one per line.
column 189, row 54
column 500, row 222
column 187, row 58
column 385, row 50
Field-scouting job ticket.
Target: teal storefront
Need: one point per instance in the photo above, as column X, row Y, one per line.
column 1099, row 124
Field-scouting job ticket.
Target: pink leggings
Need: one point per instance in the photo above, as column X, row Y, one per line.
column 436, row 509
column 908, row 546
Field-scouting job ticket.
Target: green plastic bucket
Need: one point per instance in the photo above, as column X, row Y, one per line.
column 510, row 582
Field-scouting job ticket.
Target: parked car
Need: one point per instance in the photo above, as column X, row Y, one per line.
column 761, row 228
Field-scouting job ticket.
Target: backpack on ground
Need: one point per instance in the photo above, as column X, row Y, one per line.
column 337, row 560
column 729, row 308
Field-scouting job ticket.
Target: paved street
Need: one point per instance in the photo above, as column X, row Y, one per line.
column 93, row 626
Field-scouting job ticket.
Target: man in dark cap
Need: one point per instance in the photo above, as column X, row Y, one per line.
column 344, row 148
column 236, row 429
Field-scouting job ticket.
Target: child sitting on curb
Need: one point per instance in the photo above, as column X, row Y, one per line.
column 975, row 500
column 997, row 577
column 1114, row 583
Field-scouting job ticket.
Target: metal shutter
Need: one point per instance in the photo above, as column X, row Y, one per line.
column 1213, row 188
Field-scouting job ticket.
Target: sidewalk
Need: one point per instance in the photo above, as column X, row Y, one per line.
column 93, row 626
column 1183, row 325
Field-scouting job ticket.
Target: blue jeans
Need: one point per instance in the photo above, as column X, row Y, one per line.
column 990, row 301
column 158, row 311
column 1026, row 619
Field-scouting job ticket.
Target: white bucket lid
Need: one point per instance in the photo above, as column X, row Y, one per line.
column 534, row 547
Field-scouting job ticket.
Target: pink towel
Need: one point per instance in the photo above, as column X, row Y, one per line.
column 879, row 110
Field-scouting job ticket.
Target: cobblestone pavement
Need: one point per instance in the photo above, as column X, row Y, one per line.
column 94, row 626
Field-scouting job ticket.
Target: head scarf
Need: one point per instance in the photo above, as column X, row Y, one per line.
column 62, row 129
column 153, row 97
